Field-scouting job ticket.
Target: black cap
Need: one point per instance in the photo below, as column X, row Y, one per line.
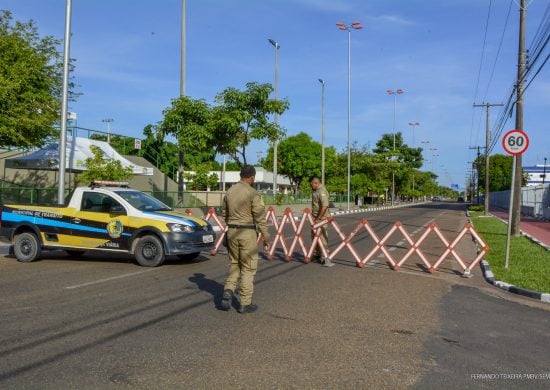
column 247, row 171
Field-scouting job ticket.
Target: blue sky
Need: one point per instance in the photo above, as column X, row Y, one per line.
column 128, row 65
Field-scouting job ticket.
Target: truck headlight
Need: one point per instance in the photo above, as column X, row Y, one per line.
column 179, row 228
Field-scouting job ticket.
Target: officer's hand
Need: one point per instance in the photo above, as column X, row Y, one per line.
column 266, row 246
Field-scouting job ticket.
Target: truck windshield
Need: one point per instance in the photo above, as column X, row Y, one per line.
column 143, row 201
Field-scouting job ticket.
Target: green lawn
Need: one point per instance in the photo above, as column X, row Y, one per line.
column 529, row 263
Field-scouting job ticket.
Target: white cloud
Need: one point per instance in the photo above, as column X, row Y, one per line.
column 393, row 19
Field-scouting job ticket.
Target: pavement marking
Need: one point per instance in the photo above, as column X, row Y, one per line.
column 108, row 279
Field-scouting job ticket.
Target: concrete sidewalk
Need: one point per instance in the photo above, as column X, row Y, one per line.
column 535, row 228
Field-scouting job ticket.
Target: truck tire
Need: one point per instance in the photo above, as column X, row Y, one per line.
column 26, row 247
column 189, row 256
column 149, row 251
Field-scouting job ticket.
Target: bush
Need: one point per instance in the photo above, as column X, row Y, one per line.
column 479, row 208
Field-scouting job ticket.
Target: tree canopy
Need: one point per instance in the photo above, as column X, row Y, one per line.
column 30, row 84
column 187, row 120
column 298, row 157
column 243, row 116
column 100, row 168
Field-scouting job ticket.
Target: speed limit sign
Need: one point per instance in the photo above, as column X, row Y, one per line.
column 515, row 142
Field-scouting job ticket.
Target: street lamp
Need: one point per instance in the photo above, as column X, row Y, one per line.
column 343, row 27
column 413, row 124
column 544, row 170
column 322, row 131
column 108, row 121
column 394, row 93
column 275, row 117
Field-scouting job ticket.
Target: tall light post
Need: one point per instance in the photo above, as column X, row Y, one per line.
column 394, row 93
column 64, row 100
column 352, row 26
column 322, row 131
column 182, row 54
column 275, row 117
column 544, row 170
column 108, row 121
column 413, row 124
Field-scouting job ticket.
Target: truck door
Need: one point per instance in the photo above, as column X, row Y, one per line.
column 101, row 223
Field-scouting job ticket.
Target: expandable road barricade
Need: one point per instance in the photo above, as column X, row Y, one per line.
column 298, row 225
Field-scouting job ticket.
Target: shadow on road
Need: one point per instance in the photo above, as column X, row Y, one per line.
column 210, row 286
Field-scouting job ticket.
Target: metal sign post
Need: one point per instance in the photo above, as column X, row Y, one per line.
column 509, row 231
column 514, row 142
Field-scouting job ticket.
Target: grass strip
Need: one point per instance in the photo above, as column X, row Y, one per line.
column 529, row 263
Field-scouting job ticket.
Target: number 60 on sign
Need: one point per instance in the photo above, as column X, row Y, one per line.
column 515, row 142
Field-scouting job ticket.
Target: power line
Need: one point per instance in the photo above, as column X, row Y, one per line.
column 498, row 51
column 479, row 70
column 538, row 45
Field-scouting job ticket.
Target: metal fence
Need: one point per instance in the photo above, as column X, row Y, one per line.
column 10, row 193
column 535, row 200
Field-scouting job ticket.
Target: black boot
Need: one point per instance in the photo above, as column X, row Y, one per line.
column 227, row 297
column 248, row 308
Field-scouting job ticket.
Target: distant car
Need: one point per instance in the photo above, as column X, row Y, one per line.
column 436, row 199
column 460, row 199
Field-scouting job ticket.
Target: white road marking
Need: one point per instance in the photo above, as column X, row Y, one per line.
column 108, row 279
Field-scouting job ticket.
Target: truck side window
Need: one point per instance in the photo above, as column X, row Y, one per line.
column 99, row 203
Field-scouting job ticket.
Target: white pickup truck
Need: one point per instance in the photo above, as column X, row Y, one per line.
column 106, row 218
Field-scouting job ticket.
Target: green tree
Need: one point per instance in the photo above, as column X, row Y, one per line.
column 187, row 120
column 500, row 172
column 298, row 157
column 100, row 168
column 202, row 179
column 30, row 83
column 243, row 116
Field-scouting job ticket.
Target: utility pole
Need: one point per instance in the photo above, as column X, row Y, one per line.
column 515, row 209
column 487, row 142
column 181, row 153
column 476, row 168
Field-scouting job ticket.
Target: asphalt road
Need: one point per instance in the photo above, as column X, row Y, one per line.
column 99, row 322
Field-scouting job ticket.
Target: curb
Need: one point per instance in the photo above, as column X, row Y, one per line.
column 536, row 241
column 527, row 235
column 490, row 277
column 366, row 210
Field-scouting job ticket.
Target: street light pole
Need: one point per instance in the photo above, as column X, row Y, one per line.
column 352, row 26
column 322, row 131
column 64, row 100
column 108, row 121
column 544, row 170
column 394, row 93
column 182, row 59
column 413, row 124
column 275, row 117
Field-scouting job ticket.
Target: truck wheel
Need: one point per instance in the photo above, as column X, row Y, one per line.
column 149, row 251
column 26, row 247
column 189, row 256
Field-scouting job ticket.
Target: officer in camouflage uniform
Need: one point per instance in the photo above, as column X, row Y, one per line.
column 319, row 211
column 244, row 213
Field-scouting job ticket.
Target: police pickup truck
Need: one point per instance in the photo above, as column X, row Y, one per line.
column 107, row 217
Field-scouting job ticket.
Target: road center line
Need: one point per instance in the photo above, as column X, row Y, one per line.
column 108, row 279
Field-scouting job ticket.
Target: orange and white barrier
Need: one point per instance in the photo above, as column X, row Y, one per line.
column 289, row 248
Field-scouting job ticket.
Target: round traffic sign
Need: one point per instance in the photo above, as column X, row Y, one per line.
column 515, row 142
